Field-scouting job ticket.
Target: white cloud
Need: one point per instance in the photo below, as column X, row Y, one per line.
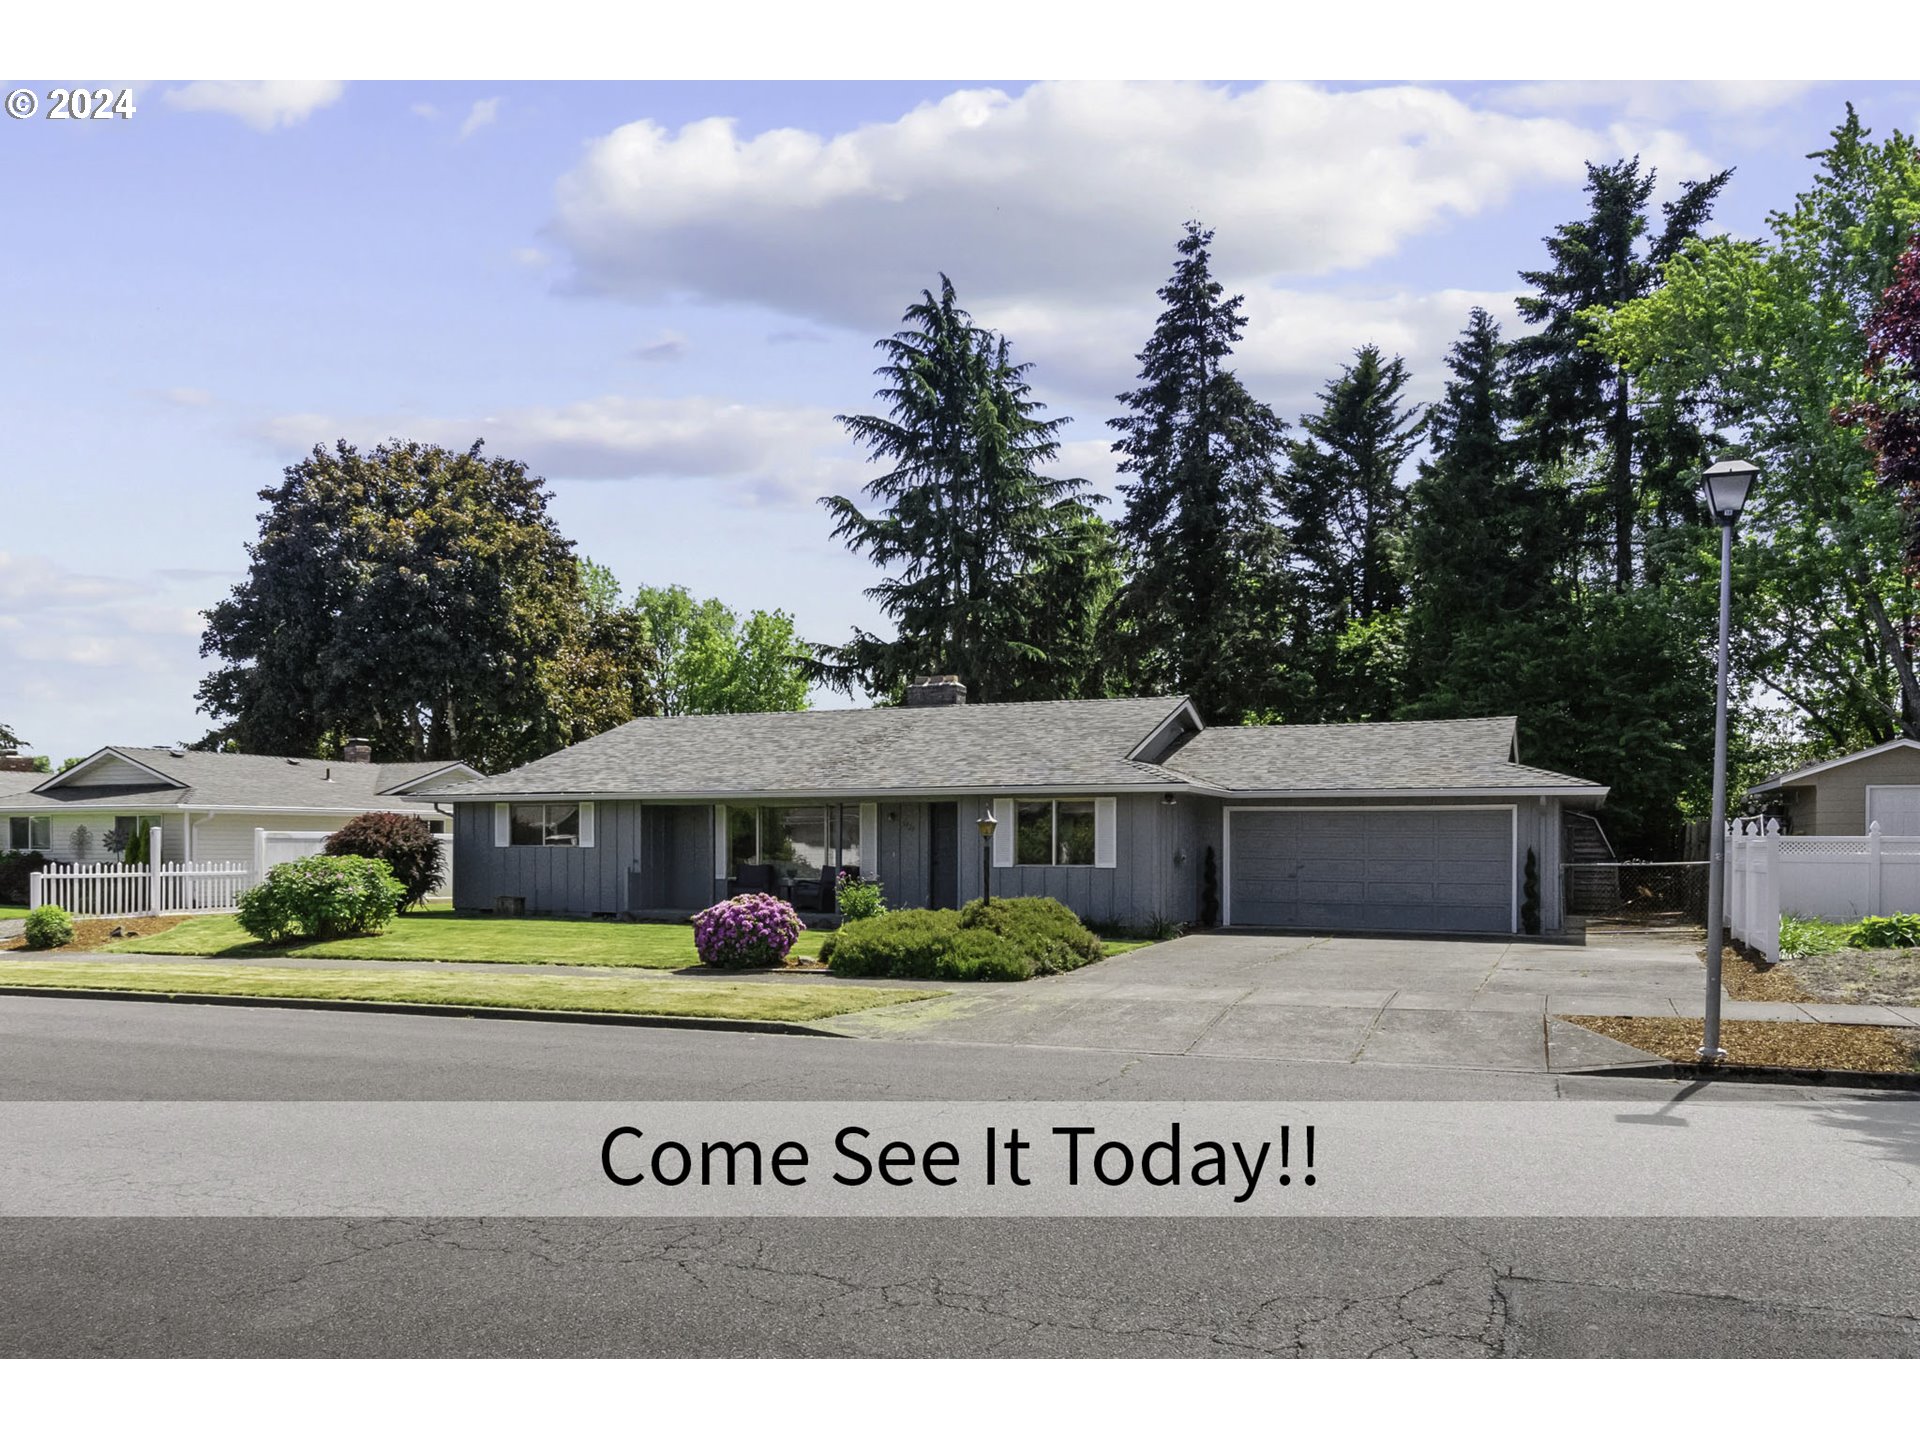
column 92, row 659
column 1069, row 191
column 765, row 454
column 424, row 109
column 483, row 114
column 532, row 257
column 263, row 104
column 1657, row 100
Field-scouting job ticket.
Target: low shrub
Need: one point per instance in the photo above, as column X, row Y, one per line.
column 1801, row 937
column 48, row 927
column 15, row 867
column 322, row 897
column 903, row 943
column 997, row 940
column 746, row 931
column 1885, row 932
column 405, row 842
column 858, row 899
column 1044, row 930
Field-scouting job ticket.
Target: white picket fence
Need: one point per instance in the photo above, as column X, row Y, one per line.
column 155, row 887
column 1820, row 877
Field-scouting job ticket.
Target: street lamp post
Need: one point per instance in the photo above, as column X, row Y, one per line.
column 986, row 823
column 1725, row 486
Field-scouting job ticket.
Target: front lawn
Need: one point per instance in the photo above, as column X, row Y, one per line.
column 443, row 936
column 510, row 989
column 13, row 912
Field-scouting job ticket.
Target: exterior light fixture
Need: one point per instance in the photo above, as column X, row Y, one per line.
column 987, row 825
column 1725, row 486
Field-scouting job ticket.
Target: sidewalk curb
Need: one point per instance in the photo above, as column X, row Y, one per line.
column 1760, row 1075
column 457, row 1012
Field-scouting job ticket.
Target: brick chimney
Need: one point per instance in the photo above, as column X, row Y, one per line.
column 937, row 690
column 357, row 752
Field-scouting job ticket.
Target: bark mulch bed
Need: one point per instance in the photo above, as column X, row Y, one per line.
column 92, row 934
column 1745, row 976
column 1793, row 1044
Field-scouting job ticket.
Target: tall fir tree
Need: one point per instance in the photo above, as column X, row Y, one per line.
column 1346, row 515
column 1579, row 403
column 1485, row 539
column 1202, row 609
column 998, row 569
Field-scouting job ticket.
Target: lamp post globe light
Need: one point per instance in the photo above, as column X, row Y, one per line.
column 986, row 824
column 1725, row 487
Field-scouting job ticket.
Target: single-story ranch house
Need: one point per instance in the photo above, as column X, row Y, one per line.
column 208, row 804
column 1845, row 795
column 1108, row 805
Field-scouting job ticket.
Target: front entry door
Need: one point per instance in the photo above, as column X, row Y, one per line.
column 943, row 854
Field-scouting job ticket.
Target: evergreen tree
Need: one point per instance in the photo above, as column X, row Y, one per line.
column 999, row 567
column 1578, row 401
column 1203, row 600
column 1346, row 521
column 1484, row 542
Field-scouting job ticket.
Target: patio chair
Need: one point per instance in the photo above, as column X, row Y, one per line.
column 756, row 880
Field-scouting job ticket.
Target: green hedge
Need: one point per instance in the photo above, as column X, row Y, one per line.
column 321, row 897
column 48, row 928
column 998, row 940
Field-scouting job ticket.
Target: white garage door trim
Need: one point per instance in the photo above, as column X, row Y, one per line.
column 1226, row 843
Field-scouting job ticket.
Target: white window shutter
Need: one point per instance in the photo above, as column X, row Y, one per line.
column 870, row 839
column 586, row 824
column 502, row 824
column 719, row 842
column 1009, row 817
column 1106, row 849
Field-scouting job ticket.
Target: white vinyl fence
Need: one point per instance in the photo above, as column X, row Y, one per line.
column 155, row 887
column 1820, row 877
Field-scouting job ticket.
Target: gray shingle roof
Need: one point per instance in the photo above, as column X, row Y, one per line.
column 1395, row 755
column 1040, row 744
column 214, row 780
column 1062, row 744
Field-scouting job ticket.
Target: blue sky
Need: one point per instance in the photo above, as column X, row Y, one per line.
column 659, row 294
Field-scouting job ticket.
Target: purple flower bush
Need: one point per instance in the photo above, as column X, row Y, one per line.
column 746, row 931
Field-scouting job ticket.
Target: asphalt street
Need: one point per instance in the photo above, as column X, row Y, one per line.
column 1286, row 1286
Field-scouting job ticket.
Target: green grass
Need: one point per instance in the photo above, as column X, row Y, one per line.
column 443, row 936
column 600, row 993
column 13, row 912
column 1121, row 947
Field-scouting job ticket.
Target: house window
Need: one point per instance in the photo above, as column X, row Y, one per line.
column 555, row 824
column 1053, row 832
column 30, row 832
column 800, row 841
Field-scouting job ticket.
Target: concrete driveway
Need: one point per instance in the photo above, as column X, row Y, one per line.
column 1480, row 1004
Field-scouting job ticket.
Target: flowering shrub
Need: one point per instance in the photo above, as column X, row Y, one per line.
column 746, row 931
column 859, row 899
column 321, row 897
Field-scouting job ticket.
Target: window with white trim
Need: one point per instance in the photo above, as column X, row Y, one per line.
column 555, row 823
column 30, row 832
column 1054, row 832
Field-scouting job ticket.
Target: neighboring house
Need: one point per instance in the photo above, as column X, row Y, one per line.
column 1844, row 796
column 1108, row 805
column 208, row 804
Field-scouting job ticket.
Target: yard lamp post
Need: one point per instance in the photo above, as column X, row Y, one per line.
column 986, row 823
column 1725, row 486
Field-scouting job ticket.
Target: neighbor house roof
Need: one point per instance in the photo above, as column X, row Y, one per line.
column 1408, row 756
column 205, row 779
column 1059, row 745
column 1794, row 777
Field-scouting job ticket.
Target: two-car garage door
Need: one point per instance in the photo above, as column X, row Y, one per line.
column 1430, row 869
